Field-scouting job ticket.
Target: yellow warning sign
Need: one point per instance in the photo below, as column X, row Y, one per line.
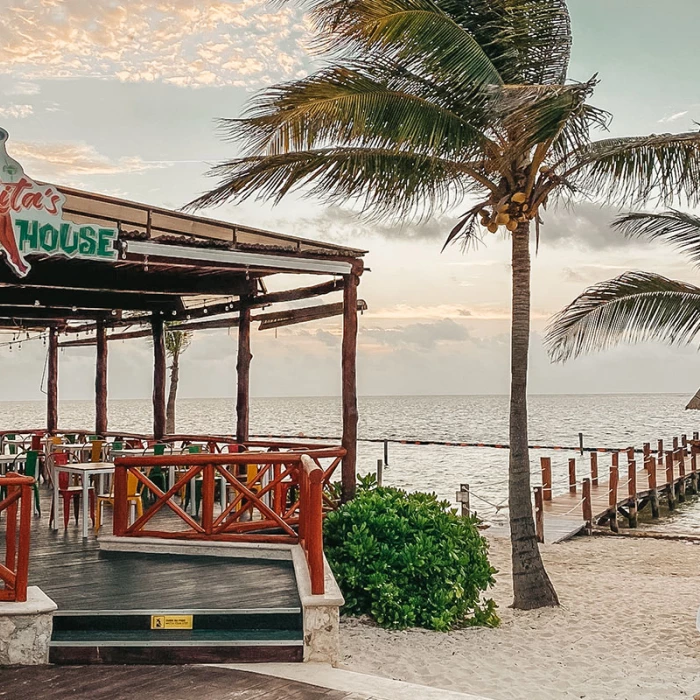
column 171, row 622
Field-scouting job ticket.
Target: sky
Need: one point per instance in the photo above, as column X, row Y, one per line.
column 121, row 97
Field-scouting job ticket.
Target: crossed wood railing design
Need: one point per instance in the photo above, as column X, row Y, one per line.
column 16, row 506
column 282, row 501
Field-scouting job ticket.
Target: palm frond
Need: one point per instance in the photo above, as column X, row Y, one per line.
column 417, row 33
column 664, row 167
column 351, row 107
column 676, row 227
column 385, row 182
column 633, row 307
column 529, row 41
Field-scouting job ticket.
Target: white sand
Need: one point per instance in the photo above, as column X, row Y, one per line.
column 626, row 629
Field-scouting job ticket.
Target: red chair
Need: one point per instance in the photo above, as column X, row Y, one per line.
column 68, row 492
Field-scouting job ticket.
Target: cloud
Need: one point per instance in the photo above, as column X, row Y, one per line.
column 185, row 43
column 52, row 160
column 420, row 336
column 16, row 111
column 584, row 225
column 673, row 117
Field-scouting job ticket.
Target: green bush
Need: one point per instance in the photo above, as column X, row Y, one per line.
column 408, row 560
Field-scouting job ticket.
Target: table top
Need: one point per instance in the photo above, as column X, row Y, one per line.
column 73, row 446
column 9, row 459
column 85, row 467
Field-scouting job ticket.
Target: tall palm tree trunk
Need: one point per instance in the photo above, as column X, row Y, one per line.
column 172, row 395
column 531, row 585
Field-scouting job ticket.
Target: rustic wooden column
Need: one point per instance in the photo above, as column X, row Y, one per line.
column 349, row 385
column 158, row 377
column 52, row 384
column 101, row 381
column 243, row 373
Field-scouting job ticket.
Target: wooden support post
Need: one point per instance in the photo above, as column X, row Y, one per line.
column 208, row 487
column 630, row 454
column 25, row 524
column 580, row 443
column 243, row 374
column 587, row 506
column 539, row 514
column 465, row 500
column 594, row 469
column 386, row 453
column 572, row 475
column 101, row 380
column 159, row 371
column 647, row 452
column 660, row 452
column 680, row 453
column 349, row 386
column 653, row 492
column 612, row 496
column 632, row 492
column 380, row 469
column 120, row 517
column 696, row 435
column 52, row 384
column 684, row 440
column 670, row 487
column 546, row 466
column 675, row 444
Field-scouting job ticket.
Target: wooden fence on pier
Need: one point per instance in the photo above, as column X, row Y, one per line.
column 661, row 475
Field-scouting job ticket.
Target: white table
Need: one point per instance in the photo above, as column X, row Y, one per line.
column 6, row 460
column 85, row 471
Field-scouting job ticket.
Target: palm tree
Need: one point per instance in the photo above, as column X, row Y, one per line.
column 636, row 306
column 426, row 104
column 176, row 342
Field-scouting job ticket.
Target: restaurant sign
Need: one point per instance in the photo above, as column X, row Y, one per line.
column 31, row 221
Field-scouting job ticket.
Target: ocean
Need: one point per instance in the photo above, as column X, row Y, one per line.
column 609, row 420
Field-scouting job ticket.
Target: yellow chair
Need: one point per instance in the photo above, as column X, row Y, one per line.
column 96, row 450
column 133, row 496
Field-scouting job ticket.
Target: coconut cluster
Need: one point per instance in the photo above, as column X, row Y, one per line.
column 509, row 212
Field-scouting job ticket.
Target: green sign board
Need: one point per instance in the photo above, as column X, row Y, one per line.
column 31, row 221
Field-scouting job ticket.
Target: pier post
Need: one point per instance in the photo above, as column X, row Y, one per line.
column 681, row 474
column 546, row 465
column 580, row 444
column 660, row 453
column 612, row 496
column 696, row 435
column 653, row 492
column 386, row 453
column 380, row 471
column 694, row 468
column 684, row 440
column 539, row 514
column 464, row 499
column 675, row 444
column 632, row 492
column 647, row 452
column 572, row 475
column 670, row 487
column 587, row 507
column 630, row 454
column 594, row 469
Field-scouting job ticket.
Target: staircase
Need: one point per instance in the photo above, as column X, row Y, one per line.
column 177, row 636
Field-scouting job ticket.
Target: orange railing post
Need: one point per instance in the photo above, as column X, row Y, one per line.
column 208, row 486
column 120, row 518
column 17, row 505
column 312, row 519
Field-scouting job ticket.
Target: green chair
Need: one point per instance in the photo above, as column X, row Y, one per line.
column 70, row 439
column 195, row 450
column 159, row 449
column 156, row 475
column 13, row 448
column 117, row 445
column 31, row 468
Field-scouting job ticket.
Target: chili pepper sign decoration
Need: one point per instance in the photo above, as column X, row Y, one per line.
column 31, row 221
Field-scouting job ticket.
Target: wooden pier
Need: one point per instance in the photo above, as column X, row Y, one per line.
column 623, row 489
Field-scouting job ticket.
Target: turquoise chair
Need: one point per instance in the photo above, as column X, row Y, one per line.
column 156, row 475
column 31, row 468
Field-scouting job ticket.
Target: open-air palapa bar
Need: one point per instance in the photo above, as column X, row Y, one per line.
column 156, row 547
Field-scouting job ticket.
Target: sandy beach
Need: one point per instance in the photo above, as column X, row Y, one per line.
column 625, row 630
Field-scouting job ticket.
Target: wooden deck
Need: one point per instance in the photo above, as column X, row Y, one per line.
column 564, row 514
column 156, row 683
column 242, row 609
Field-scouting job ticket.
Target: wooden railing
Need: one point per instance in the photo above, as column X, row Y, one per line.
column 16, row 511
column 280, row 500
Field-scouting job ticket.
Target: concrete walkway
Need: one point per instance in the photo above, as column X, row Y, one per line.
column 362, row 686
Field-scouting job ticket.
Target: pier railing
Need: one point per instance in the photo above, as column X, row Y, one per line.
column 16, row 512
column 274, row 497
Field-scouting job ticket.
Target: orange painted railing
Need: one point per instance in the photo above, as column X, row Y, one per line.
column 16, row 507
column 281, row 499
